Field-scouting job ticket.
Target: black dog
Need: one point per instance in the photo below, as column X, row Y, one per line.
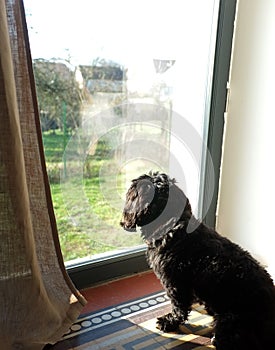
column 195, row 263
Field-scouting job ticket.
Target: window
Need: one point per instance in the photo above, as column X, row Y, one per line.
column 124, row 87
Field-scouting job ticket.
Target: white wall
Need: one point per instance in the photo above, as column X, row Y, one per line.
column 246, row 209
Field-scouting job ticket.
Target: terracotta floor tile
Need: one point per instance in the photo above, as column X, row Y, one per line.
column 118, row 291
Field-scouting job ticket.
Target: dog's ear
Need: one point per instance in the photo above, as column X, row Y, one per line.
column 178, row 205
column 138, row 199
column 128, row 220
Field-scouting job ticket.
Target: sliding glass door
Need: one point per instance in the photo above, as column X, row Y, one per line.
column 124, row 87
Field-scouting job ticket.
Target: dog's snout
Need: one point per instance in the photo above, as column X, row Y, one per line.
column 128, row 228
column 128, row 225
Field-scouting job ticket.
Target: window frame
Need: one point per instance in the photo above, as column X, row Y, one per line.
column 134, row 261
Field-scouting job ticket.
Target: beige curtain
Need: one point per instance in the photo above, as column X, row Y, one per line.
column 38, row 302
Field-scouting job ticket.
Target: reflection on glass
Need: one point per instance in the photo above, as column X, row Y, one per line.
column 122, row 89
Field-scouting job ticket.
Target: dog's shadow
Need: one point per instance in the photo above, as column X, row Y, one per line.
column 196, row 333
column 199, row 322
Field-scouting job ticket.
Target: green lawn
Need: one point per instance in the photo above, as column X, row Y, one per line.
column 87, row 218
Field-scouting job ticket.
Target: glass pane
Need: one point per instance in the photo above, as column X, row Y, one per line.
column 123, row 88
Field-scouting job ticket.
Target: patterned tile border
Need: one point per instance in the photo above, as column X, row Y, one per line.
column 111, row 315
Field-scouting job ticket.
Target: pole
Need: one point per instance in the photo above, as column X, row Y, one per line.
column 64, row 119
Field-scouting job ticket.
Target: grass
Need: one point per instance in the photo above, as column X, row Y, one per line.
column 54, row 144
column 87, row 212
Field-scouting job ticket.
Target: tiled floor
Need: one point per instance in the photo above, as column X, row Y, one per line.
column 119, row 291
column 122, row 315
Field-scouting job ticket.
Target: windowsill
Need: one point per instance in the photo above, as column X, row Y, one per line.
column 103, row 257
column 104, row 267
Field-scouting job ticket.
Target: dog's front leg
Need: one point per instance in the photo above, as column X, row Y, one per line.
column 181, row 306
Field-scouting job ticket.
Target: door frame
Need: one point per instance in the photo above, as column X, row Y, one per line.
column 134, row 261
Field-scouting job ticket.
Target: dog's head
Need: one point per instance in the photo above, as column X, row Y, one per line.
column 153, row 200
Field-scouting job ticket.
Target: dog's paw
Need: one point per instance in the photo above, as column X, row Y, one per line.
column 168, row 323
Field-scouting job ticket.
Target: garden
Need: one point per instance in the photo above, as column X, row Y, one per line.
column 90, row 226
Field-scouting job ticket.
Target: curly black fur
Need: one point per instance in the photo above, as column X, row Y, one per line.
column 195, row 263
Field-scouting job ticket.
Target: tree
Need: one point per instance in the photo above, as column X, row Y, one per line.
column 59, row 94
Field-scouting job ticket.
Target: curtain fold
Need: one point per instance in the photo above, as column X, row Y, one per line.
column 38, row 301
